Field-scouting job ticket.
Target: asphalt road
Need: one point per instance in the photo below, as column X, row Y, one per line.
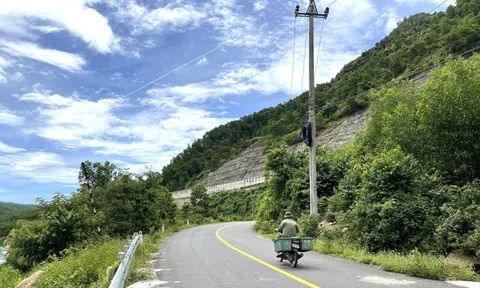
column 196, row 257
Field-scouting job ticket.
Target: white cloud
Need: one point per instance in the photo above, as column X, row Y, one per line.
column 392, row 19
column 157, row 133
column 4, row 63
column 260, row 5
column 74, row 16
column 18, row 77
column 202, row 61
column 63, row 60
column 47, row 29
column 71, row 119
column 41, row 167
column 171, row 17
column 9, row 118
column 237, row 29
column 9, row 149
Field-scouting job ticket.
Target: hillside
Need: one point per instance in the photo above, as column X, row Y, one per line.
column 10, row 212
column 418, row 42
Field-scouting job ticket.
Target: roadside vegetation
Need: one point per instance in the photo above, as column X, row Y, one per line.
column 406, row 193
column 72, row 244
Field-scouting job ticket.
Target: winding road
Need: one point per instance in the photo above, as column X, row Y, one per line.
column 233, row 255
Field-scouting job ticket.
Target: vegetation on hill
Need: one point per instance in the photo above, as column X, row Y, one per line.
column 418, row 42
column 11, row 212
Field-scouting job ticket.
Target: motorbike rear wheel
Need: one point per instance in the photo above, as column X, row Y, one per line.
column 294, row 260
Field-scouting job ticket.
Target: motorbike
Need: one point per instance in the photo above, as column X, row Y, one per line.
column 290, row 248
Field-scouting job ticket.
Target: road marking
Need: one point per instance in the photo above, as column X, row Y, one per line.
column 386, row 281
column 298, row 279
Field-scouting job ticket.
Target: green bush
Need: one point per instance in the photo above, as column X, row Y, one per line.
column 63, row 222
column 9, row 277
column 266, row 227
column 391, row 212
column 459, row 226
column 81, row 267
column 309, row 225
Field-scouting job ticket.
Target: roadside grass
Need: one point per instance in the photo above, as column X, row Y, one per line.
column 85, row 267
column 9, row 277
column 270, row 236
column 412, row 264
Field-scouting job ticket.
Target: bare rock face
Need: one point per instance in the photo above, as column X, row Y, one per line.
column 31, row 281
column 343, row 134
column 249, row 164
column 247, row 170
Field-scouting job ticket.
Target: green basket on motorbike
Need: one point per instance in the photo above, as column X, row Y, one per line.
column 283, row 244
column 306, row 244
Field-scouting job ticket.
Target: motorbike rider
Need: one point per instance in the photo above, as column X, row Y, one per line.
column 288, row 228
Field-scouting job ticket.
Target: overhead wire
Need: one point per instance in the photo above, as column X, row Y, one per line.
column 178, row 68
column 437, row 6
column 407, row 76
column 332, row 3
column 319, row 45
column 393, row 71
column 304, row 58
column 293, row 56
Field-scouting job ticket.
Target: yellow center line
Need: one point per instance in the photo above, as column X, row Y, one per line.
column 305, row 282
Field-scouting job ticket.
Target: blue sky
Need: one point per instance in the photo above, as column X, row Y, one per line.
column 68, row 69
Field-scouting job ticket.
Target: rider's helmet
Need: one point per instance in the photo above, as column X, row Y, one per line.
column 288, row 215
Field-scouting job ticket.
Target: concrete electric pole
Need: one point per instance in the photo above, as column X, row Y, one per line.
column 312, row 13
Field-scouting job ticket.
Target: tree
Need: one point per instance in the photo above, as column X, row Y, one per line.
column 62, row 222
column 137, row 203
column 199, row 200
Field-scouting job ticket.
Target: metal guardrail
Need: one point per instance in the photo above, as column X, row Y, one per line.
column 126, row 256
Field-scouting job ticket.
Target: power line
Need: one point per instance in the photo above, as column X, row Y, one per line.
column 318, row 49
column 406, row 76
column 332, row 3
column 437, row 6
column 425, row 55
column 293, row 56
column 304, row 58
column 393, row 71
column 176, row 69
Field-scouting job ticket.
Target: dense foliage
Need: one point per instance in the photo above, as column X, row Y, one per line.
column 418, row 42
column 222, row 206
column 125, row 202
column 410, row 181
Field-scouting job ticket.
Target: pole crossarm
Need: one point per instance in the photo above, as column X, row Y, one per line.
column 312, row 11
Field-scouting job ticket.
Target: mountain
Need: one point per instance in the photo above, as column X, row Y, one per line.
column 11, row 212
column 418, row 42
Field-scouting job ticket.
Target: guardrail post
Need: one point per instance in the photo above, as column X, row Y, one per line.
column 188, row 222
column 111, row 272
column 163, row 228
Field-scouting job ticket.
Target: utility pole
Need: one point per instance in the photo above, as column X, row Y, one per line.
column 312, row 13
column 89, row 189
